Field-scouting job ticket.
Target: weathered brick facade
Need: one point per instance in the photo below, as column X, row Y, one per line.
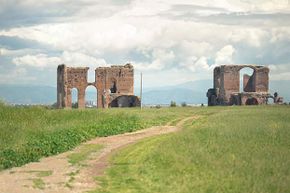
column 226, row 89
column 110, row 82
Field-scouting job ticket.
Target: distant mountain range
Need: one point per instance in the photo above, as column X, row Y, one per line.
column 28, row 94
column 193, row 92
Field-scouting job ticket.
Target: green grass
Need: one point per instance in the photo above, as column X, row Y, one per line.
column 46, row 173
column 228, row 149
column 83, row 154
column 38, row 173
column 71, row 178
column 38, row 183
column 27, row 134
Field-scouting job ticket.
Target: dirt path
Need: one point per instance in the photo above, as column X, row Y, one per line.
column 57, row 174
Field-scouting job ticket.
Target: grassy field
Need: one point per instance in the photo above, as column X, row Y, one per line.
column 27, row 134
column 228, row 149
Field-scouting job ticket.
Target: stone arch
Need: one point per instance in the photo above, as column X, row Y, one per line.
column 252, row 101
column 91, row 96
column 74, row 97
column 110, row 82
column 91, row 76
column 125, row 101
column 247, row 79
column 113, row 85
column 270, row 100
column 114, row 103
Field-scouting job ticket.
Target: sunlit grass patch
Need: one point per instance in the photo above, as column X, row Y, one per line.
column 234, row 149
column 83, row 153
column 38, row 183
column 27, row 134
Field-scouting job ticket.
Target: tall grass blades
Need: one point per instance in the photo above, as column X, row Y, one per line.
column 29, row 133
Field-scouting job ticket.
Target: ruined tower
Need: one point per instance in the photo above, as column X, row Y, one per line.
column 115, row 86
column 226, row 90
column 67, row 79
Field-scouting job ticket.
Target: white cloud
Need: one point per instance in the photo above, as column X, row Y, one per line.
column 80, row 59
column 281, row 34
column 142, row 33
column 253, row 6
column 269, row 5
column 39, row 60
column 198, row 48
column 100, row 34
column 161, row 59
column 251, row 36
column 146, row 8
column 4, row 52
column 8, row 52
column 280, row 76
column 18, row 75
column 225, row 55
column 279, row 72
column 202, row 62
column 198, row 65
column 68, row 58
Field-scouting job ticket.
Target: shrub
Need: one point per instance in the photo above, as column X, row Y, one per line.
column 172, row 104
column 75, row 105
column 183, row 104
column 53, row 106
column 2, row 102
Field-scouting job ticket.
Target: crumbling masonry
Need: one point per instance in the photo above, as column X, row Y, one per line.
column 226, row 89
column 115, row 86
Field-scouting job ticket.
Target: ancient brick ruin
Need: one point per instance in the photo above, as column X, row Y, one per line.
column 226, row 89
column 115, row 86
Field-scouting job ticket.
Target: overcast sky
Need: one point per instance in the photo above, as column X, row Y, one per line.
column 170, row 41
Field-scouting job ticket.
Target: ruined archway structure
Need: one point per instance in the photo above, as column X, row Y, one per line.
column 227, row 82
column 110, row 82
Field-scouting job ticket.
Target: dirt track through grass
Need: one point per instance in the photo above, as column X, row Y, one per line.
column 63, row 176
column 234, row 150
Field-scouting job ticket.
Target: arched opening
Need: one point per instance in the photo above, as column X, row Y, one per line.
column 270, row 101
column 125, row 101
column 113, row 87
column 74, row 98
column 252, row 101
column 91, row 97
column 91, row 75
column 247, row 80
column 114, row 103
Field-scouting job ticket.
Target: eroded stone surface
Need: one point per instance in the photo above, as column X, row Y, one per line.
column 110, row 82
column 226, row 89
